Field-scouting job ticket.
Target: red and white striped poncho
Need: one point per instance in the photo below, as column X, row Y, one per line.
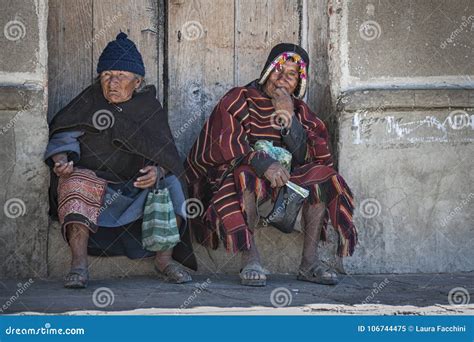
column 243, row 116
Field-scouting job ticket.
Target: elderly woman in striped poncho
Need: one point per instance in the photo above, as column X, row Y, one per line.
column 232, row 178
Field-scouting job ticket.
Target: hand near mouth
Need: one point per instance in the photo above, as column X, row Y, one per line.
column 282, row 100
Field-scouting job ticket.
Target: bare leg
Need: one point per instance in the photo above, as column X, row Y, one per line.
column 171, row 271
column 313, row 216
column 164, row 258
column 78, row 235
column 311, row 268
column 252, row 272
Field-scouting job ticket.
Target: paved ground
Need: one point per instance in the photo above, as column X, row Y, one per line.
column 359, row 294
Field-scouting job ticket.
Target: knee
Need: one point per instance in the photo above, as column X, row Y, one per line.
column 319, row 205
column 315, row 207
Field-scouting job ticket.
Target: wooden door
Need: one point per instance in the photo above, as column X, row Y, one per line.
column 78, row 31
column 214, row 46
column 194, row 50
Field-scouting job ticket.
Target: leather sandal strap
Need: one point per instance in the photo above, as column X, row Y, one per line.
column 175, row 271
column 252, row 267
column 82, row 272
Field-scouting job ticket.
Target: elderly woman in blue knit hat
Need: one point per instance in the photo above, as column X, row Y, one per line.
column 107, row 148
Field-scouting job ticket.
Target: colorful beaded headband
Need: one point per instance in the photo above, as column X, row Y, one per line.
column 279, row 61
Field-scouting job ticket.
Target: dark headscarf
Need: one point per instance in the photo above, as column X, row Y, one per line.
column 280, row 53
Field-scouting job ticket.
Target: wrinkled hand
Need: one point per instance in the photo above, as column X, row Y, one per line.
column 148, row 179
column 277, row 175
column 62, row 168
column 282, row 101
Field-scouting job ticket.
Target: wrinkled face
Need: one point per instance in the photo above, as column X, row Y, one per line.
column 283, row 76
column 118, row 86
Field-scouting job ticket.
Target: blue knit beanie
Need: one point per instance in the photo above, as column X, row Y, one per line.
column 121, row 54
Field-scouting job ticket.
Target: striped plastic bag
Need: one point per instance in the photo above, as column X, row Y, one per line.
column 159, row 228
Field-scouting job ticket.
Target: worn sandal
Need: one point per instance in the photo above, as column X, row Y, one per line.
column 77, row 278
column 320, row 274
column 251, row 269
column 174, row 273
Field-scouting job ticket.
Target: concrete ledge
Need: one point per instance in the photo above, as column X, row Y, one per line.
column 281, row 253
column 19, row 97
column 405, row 99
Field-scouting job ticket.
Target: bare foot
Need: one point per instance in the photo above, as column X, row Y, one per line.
column 253, row 274
column 320, row 274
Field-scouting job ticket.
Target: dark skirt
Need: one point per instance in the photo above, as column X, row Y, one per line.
column 125, row 240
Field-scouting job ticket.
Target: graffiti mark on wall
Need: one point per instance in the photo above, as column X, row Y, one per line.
column 455, row 126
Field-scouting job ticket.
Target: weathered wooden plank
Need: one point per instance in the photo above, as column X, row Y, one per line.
column 70, row 53
column 319, row 92
column 161, row 41
column 201, row 63
column 259, row 25
column 138, row 19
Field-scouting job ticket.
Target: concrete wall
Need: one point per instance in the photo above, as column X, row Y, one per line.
column 23, row 135
column 402, row 74
column 402, row 44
